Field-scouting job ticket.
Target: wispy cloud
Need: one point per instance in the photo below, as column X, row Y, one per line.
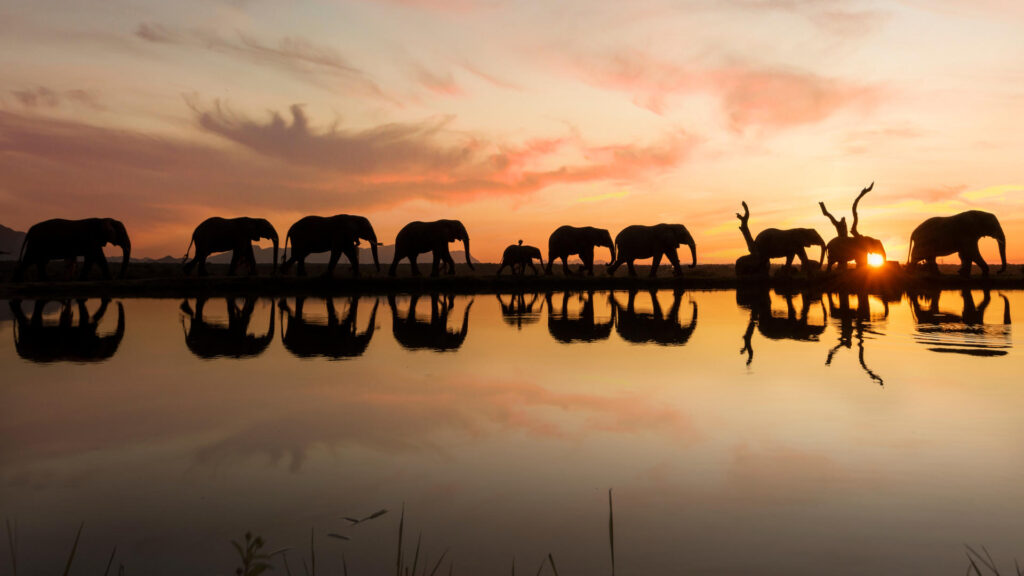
column 44, row 97
column 317, row 64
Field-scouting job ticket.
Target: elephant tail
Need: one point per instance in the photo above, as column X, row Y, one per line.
column 189, row 249
column 910, row 249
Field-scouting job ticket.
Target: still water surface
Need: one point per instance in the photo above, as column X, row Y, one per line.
column 741, row 433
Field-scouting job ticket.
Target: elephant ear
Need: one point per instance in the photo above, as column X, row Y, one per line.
column 667, row 236
column 109, row 230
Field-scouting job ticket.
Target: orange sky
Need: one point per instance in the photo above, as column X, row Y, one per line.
column 513, row 117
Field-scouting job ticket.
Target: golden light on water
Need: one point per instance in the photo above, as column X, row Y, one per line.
column 875, row 260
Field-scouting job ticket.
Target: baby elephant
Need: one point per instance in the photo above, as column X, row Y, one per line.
column 518, row 257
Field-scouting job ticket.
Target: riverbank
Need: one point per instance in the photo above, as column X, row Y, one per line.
column 166, row 280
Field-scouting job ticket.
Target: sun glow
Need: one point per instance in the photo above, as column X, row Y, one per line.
column 875, row 260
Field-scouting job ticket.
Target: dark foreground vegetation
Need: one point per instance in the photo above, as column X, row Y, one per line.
column 167, row 280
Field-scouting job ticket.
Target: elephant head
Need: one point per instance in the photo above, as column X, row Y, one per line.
column 676, row 235
column 810, row 237
column 259, row 228
column 988, row 225
column 872, row 246
column 361, row 228
column 604, row 238
column 113, row 232
column 456, row 231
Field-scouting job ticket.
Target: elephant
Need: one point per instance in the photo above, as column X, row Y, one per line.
column 60, row 239
column 854, row 322
column 518, row 257
column 414, row 334
column 236, row 234
column 517, row 311
column 843, row 249
column 639, row 242
column 338, row 234
column 964, row 333
column 793, row 326
column 655, row 327
column 232, row 340
column 581, row 327
column 569, row 240
column 944, row 235
column 415, row 238
column 790, row 243
column 66, row 341
column 335, row 339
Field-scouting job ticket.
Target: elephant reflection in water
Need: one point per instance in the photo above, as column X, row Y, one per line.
column 582, row 327
column 335, row 339
column 855, row 322
column 517, row 310
column 965, row 333
column 433, row 334
column 793, row 326
column 215, row 339
column 67, row 340
column 654, row 327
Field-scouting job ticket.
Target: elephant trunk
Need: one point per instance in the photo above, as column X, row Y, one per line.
column 126, row 255
column 274, row 268
column 372, row 238
column 611, row 250
column 1000, row 237
column 693, row 253
column 465, row 245
column 821, row 257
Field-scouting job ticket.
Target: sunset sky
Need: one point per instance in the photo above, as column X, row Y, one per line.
column 515, row 117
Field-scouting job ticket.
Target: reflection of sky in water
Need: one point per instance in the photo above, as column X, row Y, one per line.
column 506, row 446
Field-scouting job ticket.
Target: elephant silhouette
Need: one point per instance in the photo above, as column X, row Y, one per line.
column 655, row 327
column 518, row 257
column 223, row 234
column 415, row 334
column 580, row 327
column 208, row 339
column 66, row 341
column 964, row 333
column 959, row 234
column 66, row 240
column 568, row 241
column 338, row 234
column 855, row 323
column 517, row 311
column 337, row 339
column 793, row 325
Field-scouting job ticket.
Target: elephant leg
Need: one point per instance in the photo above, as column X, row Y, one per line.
column 202, row 265
column 300, row 265
column 532, row 267
column 41, row 268
column 394, row 264
column 655, row 263
column 588, row 261
column 250, row 257
column 629, row 266
column 412, row 264
column 446, row 259
column 677, row 270
column 932, row 266
column 502, row 267
column 233, row 266
column 435, row 265
column 332, row 263
column 101, row 261
column 352, row 253
column 565, row 266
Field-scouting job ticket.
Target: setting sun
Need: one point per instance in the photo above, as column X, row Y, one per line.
column 875, row 260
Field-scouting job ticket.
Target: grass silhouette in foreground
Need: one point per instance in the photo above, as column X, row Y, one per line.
column 253, row 561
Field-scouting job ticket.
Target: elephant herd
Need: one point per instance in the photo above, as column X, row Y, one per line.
column 440, row 323
column 342, row 234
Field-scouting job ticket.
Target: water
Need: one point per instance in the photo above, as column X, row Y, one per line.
column 742, row 433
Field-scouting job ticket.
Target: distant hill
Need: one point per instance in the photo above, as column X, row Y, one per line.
column 10, row 242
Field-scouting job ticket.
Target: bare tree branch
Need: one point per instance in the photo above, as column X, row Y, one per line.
column 855, row 202
column 839, row 224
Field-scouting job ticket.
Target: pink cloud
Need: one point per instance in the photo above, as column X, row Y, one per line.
column 749, row 96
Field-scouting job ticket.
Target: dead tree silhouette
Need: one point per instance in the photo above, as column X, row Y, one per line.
column 854, row 323
column 852, row 246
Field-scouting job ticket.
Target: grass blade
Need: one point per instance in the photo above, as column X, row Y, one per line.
column 287, row 568
column 110, row 562
column 416, row 556
column 344, row 565
column 551, row 559
column 513, row 566
column 12, row 543
column 74, row 548
column 611, row 529
column 439, row 560
column 312, row 551
column 401, row 527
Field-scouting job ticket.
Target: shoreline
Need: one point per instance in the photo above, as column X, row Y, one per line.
column 166, row 281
